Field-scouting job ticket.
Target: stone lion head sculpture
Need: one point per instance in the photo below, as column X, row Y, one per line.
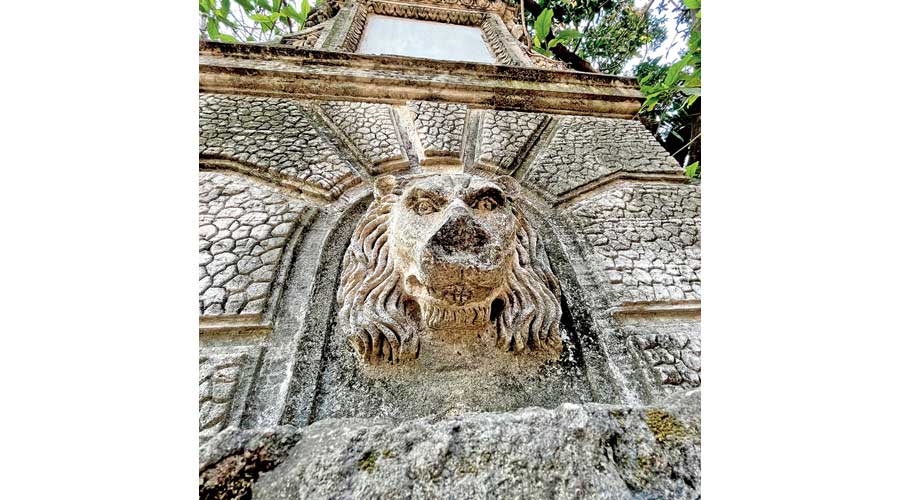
column 437, row 254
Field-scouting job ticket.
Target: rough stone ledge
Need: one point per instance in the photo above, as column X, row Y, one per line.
column 322, row 75
column 629, row 85
column 573, row 451
column 688, row 308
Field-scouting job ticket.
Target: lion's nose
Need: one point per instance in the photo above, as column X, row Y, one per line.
column 459, row 233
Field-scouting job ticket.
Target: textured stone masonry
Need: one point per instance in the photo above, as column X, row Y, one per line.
column 369, row 127
column 644, row 238
column 275, row 135
column 244, row 228
column 670, row 349
column 504, row 135
column 440, row 127
column 585, row 149
column 221, row 374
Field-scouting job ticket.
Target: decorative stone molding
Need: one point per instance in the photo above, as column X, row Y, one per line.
column 307, row 38
column 501, row 42
column 500, row 7
column 504, row 46
column 281, row 71
column 448, row 255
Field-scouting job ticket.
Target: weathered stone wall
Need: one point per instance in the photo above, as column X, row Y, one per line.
column 645, row 239
column 284, row 182
column 276, row 139
column 639, row 239
column 244, row 229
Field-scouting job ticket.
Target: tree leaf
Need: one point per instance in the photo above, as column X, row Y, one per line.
column 674, row 72
column 692, row 169
column 247, row 5
column 291, row 13
column 542, row 24
column 569, row 34
column 212, row 28
column 264, row 19
column 304, row 14
column 228, row 38
column 692, row 4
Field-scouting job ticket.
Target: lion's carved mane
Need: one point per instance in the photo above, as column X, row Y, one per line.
column 384, row 324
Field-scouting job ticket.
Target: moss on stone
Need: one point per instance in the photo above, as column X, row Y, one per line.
column 665, row 426
column 367, row 462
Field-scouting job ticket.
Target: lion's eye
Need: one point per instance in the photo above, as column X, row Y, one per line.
column 485, row 204
column 424, row 207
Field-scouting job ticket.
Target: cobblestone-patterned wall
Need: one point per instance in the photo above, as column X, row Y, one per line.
column 504, row 135
column 369, row 127
column 584, row 149
column 668, row 349
column 244, row 228
column 644, row 238
column 275, row 135
column 224, row 381
column 440, row 127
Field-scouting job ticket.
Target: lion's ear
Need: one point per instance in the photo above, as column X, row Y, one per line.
column 510, row 185
column 384, row 186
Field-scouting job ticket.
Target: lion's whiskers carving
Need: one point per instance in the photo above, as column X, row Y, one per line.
column 450, row 253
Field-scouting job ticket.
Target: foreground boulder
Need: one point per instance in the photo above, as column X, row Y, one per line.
column 573, row 451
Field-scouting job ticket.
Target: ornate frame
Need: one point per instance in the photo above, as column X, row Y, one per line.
column 488, row 18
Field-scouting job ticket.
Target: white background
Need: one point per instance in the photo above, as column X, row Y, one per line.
column 800, row 257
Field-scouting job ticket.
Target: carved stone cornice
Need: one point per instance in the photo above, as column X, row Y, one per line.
column 500, row 7
column 313, row 74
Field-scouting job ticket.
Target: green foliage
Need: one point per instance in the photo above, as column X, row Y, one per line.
column 692, row 170
column 683, row 77
column 611, row 32
column 672, row 90
column 251, row 20
column 542, row 27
